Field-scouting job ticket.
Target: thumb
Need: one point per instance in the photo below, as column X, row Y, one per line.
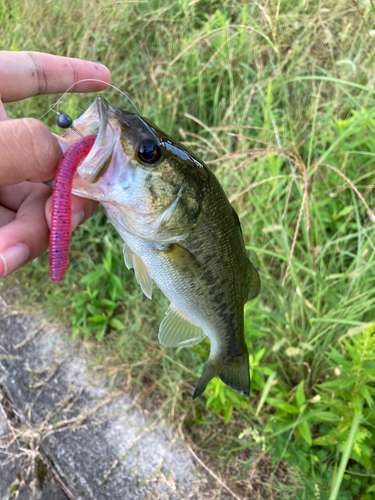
column 29, row 152
column 3, row 114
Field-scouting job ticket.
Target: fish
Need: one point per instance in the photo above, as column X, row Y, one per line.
column 179, row 231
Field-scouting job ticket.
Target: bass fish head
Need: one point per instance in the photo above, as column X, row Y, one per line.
column 155, row 183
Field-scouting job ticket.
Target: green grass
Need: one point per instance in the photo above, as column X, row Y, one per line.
column 285, row 88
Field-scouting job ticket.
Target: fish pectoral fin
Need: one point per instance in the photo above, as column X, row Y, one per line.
column 182, row 260
column 128, row 256
column 142, row 275
column 177, row 330
column 180, row 218
column 254, row 280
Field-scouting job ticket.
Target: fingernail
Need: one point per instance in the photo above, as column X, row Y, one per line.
column 12, row 258
column 77, row 218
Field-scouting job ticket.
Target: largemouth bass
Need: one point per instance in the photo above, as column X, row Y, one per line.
column 179, row 231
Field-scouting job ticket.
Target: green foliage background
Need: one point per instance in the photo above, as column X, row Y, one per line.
column 284, row 91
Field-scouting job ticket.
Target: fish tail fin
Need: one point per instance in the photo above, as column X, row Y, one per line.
column 209, row 372
column 234, row 373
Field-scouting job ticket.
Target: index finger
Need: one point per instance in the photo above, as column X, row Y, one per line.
column 26, row 74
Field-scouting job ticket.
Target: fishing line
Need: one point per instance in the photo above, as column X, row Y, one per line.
column 82, row 110
column 57, row 103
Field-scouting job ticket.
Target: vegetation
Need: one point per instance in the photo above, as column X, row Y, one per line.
column 277, row 97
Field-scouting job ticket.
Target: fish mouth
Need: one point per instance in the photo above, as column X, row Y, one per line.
column 98, row 119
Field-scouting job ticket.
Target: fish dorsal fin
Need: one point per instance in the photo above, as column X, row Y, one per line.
column 177, row 330
column 252, row 274
column 142, row 275
column 254, row 282
column 128, row 256
column 236, row 219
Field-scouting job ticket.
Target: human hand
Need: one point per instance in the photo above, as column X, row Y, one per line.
column 29, row 152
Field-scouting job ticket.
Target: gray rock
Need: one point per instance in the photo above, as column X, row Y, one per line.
column 8, row 471
column 3, row 421
column 101, row 446
column 50, row 490
column 8, row 476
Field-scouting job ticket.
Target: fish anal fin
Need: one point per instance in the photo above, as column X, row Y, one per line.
column 142, row 275
column 234, row 373
column 177, row 330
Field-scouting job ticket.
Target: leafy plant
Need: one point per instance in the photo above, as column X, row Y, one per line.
column 336, row 424
column 351, row 398
column 222, row 399
column 96, row 309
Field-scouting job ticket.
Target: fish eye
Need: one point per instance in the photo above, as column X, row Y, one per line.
column 149, row 151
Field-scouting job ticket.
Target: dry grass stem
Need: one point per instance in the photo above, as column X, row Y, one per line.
column 264, row 152
column 294, row 240
column 151, row 428
column 109, row 471
column 218, row 51
column 206, row 35
column 213, row 474
column 370, row 212
column 253, row 127
column 252, row 139
column 306, row 196
column 289, row 191
column 209, row 130
column 205, row 141
column 33, row 334
column 252, row 186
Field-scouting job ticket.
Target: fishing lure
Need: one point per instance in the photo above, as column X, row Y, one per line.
column 61, row 205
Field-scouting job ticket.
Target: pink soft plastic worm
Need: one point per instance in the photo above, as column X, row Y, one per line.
column 61, row 206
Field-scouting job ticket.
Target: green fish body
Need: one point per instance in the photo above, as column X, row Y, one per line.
column 179, row 231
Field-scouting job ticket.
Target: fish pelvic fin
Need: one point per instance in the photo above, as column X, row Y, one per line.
column 233, row 372
column 143, row 276
column 128, row 256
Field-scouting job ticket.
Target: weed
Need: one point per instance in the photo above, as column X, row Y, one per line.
column 95, row 311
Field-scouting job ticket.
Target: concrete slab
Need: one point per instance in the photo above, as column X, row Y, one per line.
column 99, row 443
